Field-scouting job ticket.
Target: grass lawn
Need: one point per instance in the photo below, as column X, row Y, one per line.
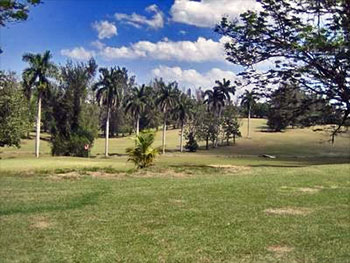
column 222, row 205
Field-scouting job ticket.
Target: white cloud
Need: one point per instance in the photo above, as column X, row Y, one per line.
column 198, row 51
column 206, row 13
column 105, row 29
column 98, row 44
column 136, row 20
column 78, row 53
column 191, row 78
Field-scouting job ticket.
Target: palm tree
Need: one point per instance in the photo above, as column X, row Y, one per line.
column 225, row 88
column 136, row 103
column 182, row 112
column 109, row 91
column 143, row 154
column 248, row 100
column 166, row 100
column 37, row 74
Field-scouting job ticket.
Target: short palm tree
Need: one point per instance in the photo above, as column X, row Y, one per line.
column 136, row 103
column 109, row 92
column 166, row 100
column 248, row 100
column 143, row 154
column 183, row 112
column 37, row 75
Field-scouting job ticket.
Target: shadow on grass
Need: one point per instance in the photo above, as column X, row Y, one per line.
column 84, row 200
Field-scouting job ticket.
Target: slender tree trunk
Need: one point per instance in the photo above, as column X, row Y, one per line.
column 182, row 136
column 207, row 143
column 137, row 125
column 234, row 138
column 107, row 134
column 164, row 131
column 38, row 122
column 248, row 122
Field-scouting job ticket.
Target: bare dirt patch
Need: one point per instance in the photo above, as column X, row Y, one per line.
column 280, row 249
column 288, row 211
column 106, row 175
column 40, row 222
column 161, row 173
column 230, row 168
column 61, row 176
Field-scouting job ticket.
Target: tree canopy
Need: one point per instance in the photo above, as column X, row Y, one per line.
column 307, row 41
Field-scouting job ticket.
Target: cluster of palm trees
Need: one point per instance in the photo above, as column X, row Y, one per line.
column 113, row 89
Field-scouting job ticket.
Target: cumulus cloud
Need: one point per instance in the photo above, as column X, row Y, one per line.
column 136, row 20
column 105, row 29
column 197, row 51
column 206, row 13
column 191, row 78
column 78, row 53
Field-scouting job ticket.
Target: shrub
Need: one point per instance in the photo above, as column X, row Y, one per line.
column 191, row 144
column 143, row 154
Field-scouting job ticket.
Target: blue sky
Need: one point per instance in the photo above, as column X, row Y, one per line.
column 173, row 39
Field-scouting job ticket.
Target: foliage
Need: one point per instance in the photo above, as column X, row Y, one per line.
column 143, row 154
column 308, row 41
column 249, row 99
column 13, row 112
column 191, row 143
column 73, row 129
column 230, row 124
column 15, row 10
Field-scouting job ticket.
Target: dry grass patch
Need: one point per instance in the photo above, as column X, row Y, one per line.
column 280, row 249
column 40, row 222
column 288, row 211
column 70, row 175
column 228, row 168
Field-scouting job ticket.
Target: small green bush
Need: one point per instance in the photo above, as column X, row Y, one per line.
column 143, row 154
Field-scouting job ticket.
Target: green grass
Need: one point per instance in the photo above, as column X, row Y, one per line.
column 184, row 209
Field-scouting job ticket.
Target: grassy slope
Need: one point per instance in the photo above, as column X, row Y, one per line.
column 186, row 211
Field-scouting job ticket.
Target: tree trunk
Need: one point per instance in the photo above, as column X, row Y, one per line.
column 137, row 125
column 207, row 143
column 38, row 121
column 181, row 136
column 107, row 133
column 164, row 131
column 248, row 122
column 234, row 138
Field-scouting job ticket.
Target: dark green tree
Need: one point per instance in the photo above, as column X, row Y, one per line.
column 13, row 111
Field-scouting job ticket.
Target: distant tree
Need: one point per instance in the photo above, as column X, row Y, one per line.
column 231, row 124
column 248, row 101
column 225, row 88
column 183, row 112
column 143, row 154
column 191, row 144
column 37, row 74
column 136, row 103
column 166, row 100
column 109, row 92
column 13, row 111
column 308, row 41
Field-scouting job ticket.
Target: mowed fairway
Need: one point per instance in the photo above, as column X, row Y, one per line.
column 222, row 205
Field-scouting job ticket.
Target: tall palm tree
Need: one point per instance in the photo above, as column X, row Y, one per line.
column 182, row 112
column 225, row 88
column 37, row 75
column 136, row 103
column 248, row 100
column 109, row 92
column 166, row 100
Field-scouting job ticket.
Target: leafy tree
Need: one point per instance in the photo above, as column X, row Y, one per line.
column 231, row 125
column 167, row 95
column 183, row 112
column 13, row 111
column 308, row 40
column 37, row 74
column 15, row 10
column 109, row 91
column 248, row 101
column 225, row 88
column 136, row 103
column 143, row 154
column 72, row 129
column 191, row 144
